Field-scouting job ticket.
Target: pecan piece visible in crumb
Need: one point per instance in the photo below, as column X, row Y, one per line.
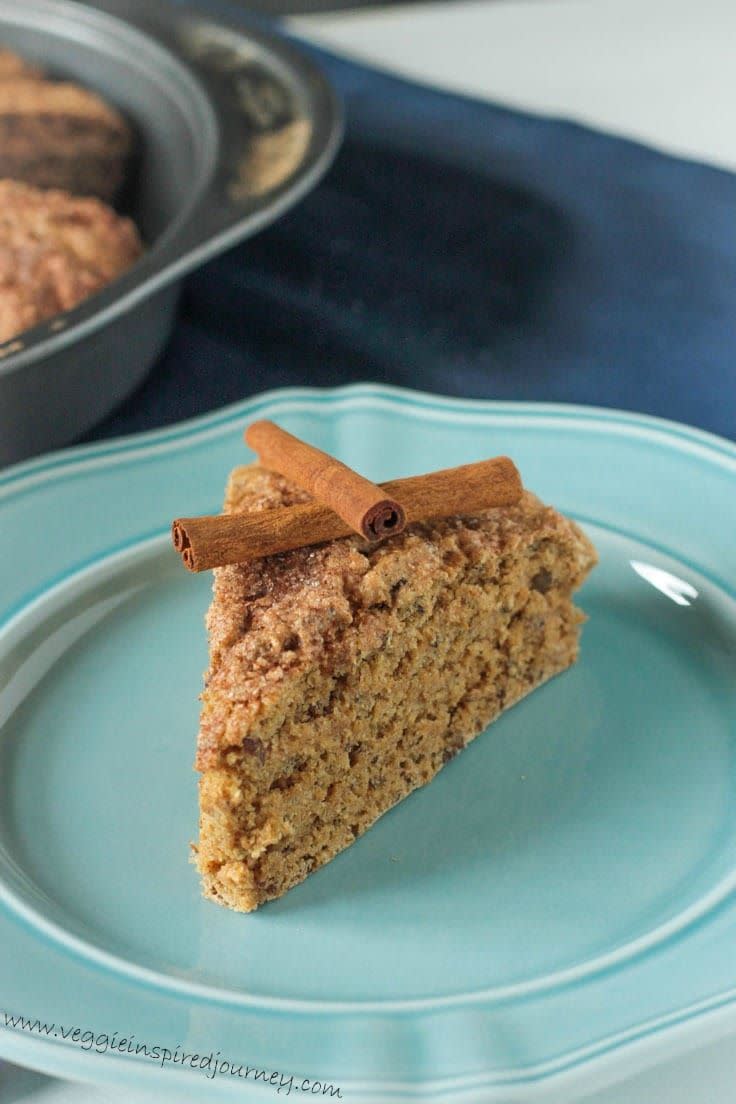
column 254, row 747
column 542, row 581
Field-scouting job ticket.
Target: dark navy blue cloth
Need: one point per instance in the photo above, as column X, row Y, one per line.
column 465, row 249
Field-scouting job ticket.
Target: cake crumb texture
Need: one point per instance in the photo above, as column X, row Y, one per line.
column 344, row 676
column 55, row 251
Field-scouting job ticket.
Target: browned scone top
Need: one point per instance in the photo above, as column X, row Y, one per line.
column 58, row 135
column 13, row 66
column 55, row 251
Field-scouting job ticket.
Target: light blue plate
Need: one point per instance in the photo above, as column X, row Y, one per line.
column 555, row 908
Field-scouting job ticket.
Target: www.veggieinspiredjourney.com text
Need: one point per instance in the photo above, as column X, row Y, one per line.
column 211, row 1065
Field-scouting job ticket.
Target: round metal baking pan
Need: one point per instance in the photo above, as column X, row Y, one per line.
column 233, row 126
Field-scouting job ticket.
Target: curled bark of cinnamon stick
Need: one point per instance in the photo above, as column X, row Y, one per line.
column 207, row 542
column 363, row 505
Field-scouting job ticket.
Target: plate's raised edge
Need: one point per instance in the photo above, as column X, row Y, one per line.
column 600, row 1064
column 71, row 461
column 643, row 1042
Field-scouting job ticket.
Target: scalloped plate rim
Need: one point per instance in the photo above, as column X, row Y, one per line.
column 642, row 1042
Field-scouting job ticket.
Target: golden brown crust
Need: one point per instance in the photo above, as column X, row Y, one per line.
column 13, row 67
column 341, row 677
column 55, row 251
column 55, row 134
column 64, row 100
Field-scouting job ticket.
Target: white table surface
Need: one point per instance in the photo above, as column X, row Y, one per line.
column 660, row 71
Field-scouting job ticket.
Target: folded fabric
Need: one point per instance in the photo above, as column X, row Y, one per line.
column 462, row 248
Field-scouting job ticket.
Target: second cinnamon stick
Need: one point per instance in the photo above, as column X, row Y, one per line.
column 362, row 505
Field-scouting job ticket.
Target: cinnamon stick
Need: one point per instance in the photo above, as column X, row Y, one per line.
column 207, row 542
column 364, row 506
